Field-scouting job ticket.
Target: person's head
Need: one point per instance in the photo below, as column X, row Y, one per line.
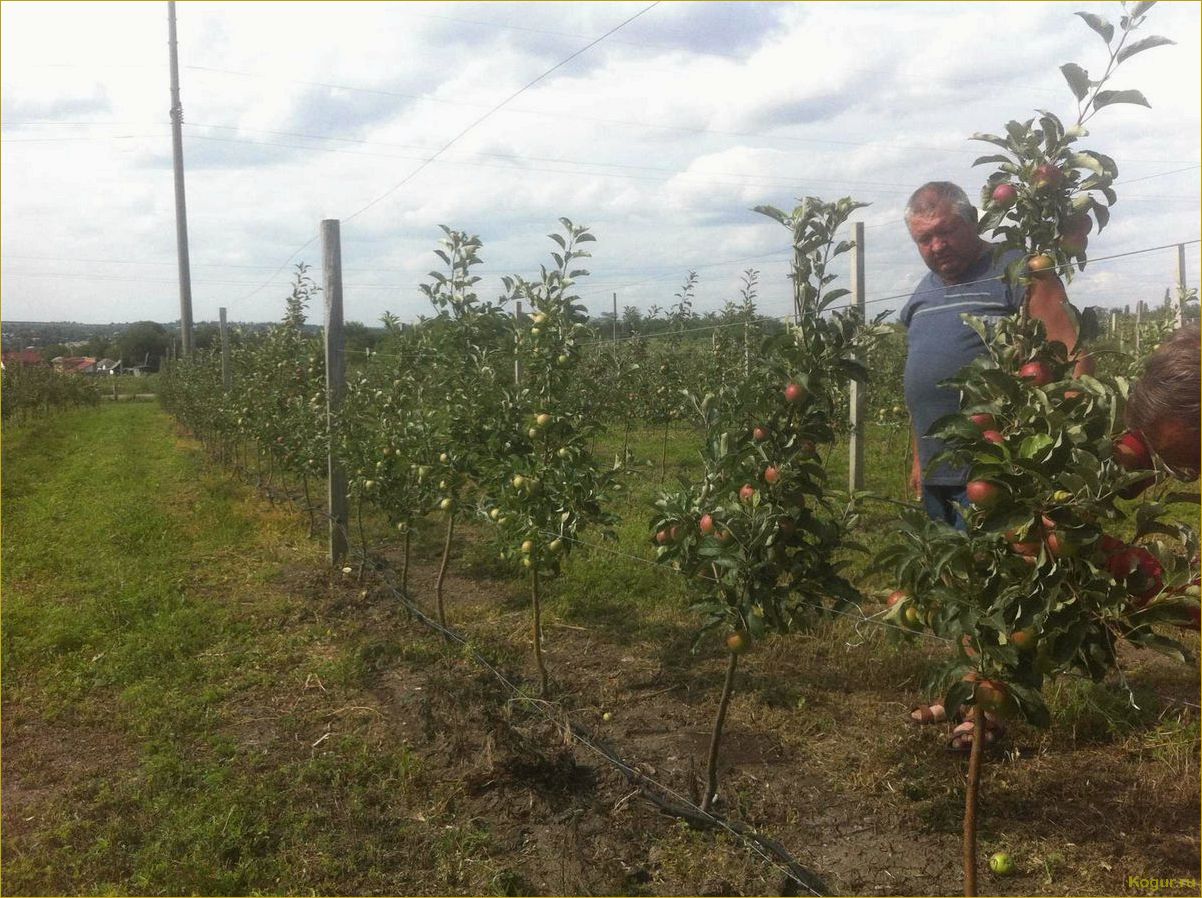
column 943, row 224
column 1164, row 403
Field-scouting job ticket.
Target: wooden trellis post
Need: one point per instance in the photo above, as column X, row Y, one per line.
column 1179, row 315
column 855, row 449
column 331, row 265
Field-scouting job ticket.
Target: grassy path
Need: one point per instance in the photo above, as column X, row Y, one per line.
column 163, row 694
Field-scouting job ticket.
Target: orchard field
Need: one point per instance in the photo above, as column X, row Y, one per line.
column 193, row 703
column 509, row 604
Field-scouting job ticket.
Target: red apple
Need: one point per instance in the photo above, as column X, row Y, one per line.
column 1047, row 176
column 992, row 436
column 1074, row 244
column 1023, row 639
column 706, row 525
column 1077, row 225
column 771, row 474
column 1004, row 195
column 674, row 533
column 984, row 420
column 1061, row 547
column 1139, row 570
column 795, row 393
column 1132, row 453
column 1028, row 549
column 759, row 434
column 991, row 695
column 661, row 537
column 1040, row 265
column 982, row 493
column 898, row 595
column 1038, row 373
column 746, row 493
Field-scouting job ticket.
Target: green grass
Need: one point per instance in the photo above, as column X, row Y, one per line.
column 157, row 679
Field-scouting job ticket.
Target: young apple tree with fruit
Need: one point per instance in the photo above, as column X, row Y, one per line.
column 1038, row 585
column 759, row 532
column 544, row 487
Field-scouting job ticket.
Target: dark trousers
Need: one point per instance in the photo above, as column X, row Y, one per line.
column 938, row 500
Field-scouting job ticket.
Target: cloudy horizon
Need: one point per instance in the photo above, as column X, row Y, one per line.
column 661, row 138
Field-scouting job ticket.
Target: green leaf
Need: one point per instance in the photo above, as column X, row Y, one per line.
column 1110, row 97
column 772, row 212
column 988, row 138
column 1018, row 132
column 1035, row 445
column 1170, row 647
column 1077, row 78
column 1142, row 7
column 957, row 695
column 997, row 157
column 1084, row 160
column 1098, row 24
column 1139, row 46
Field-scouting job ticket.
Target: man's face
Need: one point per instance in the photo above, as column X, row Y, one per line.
column 947, row 243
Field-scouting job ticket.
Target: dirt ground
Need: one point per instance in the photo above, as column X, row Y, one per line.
column 817, row 754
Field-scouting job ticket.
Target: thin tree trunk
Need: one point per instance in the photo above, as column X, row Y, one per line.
column 538, row 632
column 663, row 458
column 405, row 564
column 442, row 569
column 970, row 801
column 362, row 538
column 711, row 765
column 308, row 503
column 625, row 439
column 270, row 472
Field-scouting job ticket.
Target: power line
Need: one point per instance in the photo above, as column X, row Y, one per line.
column 460, row 135
column 497, row 107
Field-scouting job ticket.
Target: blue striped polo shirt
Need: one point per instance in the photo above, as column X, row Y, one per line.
column 940, row 344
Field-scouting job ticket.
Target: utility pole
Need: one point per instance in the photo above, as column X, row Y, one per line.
column 181, row 210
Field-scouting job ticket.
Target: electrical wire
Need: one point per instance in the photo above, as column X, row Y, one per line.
column 458, row 137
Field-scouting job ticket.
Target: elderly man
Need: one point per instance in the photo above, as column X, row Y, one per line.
column 963, row 278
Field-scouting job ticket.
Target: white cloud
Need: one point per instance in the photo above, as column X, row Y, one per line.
column 661, row 137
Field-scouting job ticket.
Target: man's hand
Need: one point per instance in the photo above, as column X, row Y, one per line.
column 1047, row 301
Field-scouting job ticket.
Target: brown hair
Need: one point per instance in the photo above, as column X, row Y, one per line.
column 1171, row 383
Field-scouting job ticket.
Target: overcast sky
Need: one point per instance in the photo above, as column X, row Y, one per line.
column 662, row 137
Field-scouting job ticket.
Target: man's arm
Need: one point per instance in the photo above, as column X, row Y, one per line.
column 1047, row 301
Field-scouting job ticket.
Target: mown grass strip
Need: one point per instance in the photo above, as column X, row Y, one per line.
column 158, row 725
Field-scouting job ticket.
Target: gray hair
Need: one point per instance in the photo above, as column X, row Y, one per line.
column 933, row 194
